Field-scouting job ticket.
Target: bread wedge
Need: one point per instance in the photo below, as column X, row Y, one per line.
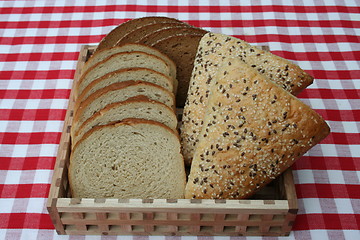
column 212, row 49
column 253, row 130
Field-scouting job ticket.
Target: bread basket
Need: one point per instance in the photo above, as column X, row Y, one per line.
column 271, row 212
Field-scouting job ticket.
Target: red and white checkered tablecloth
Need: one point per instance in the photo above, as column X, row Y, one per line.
column 39, row 46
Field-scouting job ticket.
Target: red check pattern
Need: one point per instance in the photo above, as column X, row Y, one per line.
column 39, row 46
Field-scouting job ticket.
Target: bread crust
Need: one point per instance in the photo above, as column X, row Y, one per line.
column 253, row 131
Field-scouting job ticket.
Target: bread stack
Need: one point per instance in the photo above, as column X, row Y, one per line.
column 172, row 37
column 124, row 138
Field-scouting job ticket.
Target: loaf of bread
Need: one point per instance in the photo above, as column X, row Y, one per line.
column 136, row 107
column 211, row 51
column 128, row 74
column 123, row 29
column 133, row 158
column 252, row 131
column 99, row 56
column 118, row 92
column 120, row 61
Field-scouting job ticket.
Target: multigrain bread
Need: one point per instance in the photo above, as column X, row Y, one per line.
column 136, row 107
column 211, row 51
column 121, row 30
column 138, row 33
column 99, row 56
column 118, row 92
column 130, row 159
column 127, row 74
column 252, row 131
column 182, row 49
column 120, row 61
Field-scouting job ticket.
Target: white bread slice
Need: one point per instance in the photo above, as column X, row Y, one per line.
column 136, row 107
column 212, row 49
column 99, row 56
column 120, row 61
column 126, row 74
column 253, row 131
column 133, row 158
column 118, row 92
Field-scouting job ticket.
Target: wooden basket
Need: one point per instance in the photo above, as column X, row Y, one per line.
column 271, row 212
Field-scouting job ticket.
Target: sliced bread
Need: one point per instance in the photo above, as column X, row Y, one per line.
column 212, row 49
column 157, row 36
column 253, row 130
column 138, row 33
column 126, row 74
column 182, row 49
column 121, row 30
column 136, row 107
column 133, row 158
column 118, row 92
column 99, row 56
column 120, row 61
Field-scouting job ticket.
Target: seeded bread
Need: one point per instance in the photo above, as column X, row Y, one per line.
column 130, row 159
column 134, row 74
column 253, row 130
column 121, row 61
column 136, row 107
column 211, row 51
column 121, row 30
column 138, row 33
column 182, row 49
column 129, row 47
column 118, row 92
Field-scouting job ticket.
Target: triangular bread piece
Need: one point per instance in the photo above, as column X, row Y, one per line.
column 253, row 130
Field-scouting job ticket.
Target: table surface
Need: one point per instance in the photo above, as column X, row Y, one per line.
column 39, row 47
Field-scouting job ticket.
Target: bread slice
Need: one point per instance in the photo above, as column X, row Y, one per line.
column 133, row 158
column 129, row 47
column 127, row 74
column 135, row 35
column 212, row 49
column 253, row 131
column 182, row 49
column 118, row 92
column 162, row 34
column 121, row 30
column 120, row 61
column 136, row 107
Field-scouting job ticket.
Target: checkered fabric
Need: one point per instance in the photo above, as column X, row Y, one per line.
column 39, row 46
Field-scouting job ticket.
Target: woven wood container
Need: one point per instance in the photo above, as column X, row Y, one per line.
column 271, row 212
